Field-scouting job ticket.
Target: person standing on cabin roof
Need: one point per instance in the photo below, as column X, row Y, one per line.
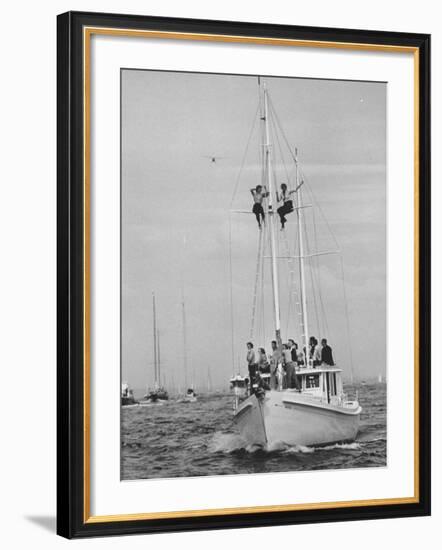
column 263, row 363
column 326, row 353
column 293, row 346
column 258, row 196
column 275, row 358
column 287, row 203
column 290, row 367
column 264, row 368
column 315, row 352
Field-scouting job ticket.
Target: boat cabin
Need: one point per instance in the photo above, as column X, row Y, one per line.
column 239, row 385
column 324, row 383
column 238, row 381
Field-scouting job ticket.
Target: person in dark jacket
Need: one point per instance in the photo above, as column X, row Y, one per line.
column 293, row 347
column 287, row 203
column 326, row 353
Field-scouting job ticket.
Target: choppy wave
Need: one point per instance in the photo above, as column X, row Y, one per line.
column 199, row 439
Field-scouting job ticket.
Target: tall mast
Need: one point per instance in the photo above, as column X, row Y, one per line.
column 302, row 261
column 184, row 344
column 155, row 363
column 159, row 360
column 271, row 221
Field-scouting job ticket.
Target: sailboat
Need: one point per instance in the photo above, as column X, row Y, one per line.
column 157, row 393
column 317, row 411
column 190, row 395
column 209, row 381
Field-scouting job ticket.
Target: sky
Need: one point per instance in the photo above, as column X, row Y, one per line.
column 176, row 220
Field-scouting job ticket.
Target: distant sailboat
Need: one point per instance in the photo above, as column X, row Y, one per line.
column 158, row 393
column 209, row 381
column 317, row 411
column 190, row 396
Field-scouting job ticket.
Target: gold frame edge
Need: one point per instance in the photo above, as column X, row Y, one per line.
column 87, row 33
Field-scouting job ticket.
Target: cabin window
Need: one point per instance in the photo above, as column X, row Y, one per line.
column 333, row 384
column 312, row 381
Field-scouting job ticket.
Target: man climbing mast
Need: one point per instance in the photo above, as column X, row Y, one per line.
column 258, row 196
column 287, row 203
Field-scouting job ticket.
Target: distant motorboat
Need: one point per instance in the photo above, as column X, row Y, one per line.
column 190, row 396
column 127, row 395
column 155, row 395
column 239, row 385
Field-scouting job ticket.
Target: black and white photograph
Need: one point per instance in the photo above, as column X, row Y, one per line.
column 253, row 274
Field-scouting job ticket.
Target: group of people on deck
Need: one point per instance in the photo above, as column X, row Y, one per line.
column 284, row 197
column 283, row 364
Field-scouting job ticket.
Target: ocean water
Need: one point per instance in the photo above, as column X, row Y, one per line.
column 175, row 439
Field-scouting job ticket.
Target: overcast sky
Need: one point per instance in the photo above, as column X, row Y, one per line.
column 175, row 218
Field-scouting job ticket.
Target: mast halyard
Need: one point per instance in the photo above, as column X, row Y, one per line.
column 155, row 360
column 271, row 221
column 302, row 261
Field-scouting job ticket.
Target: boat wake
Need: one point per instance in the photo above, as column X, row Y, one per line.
column 229, row 443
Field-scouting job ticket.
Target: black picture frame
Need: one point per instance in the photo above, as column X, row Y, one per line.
column 72, row 520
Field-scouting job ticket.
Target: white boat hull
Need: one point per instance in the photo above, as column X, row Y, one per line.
column 291, row 418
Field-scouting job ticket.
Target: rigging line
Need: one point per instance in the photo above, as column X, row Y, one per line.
column 311, row 276
column 347, row 317
column 255, row 288
column 269, row 246
column 300, row 291
column 293, row 289
column 289, row 305
column 277, row 141
column 262, row 318
column 279, row 144
column 231, row 293
column 317, row 274
column 290, row 281
column 282, row 130
column 297, row 284
column 244, row 156
column 318, row 205
column 289, row 276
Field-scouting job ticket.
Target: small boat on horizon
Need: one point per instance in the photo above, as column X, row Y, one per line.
column 127, row 395
column 190, row 396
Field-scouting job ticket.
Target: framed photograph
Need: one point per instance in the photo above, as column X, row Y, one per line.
column 243, row 274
